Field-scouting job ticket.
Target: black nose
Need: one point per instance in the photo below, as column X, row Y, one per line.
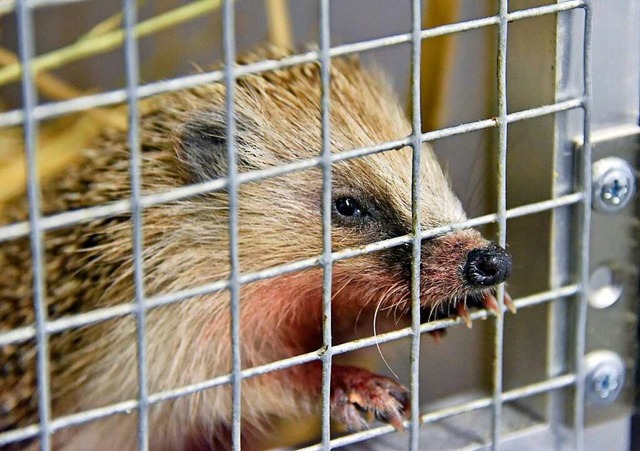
column 487, row 266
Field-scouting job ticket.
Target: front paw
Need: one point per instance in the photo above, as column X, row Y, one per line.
column 358, row 395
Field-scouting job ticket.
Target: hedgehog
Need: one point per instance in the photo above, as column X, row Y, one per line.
column 89, row 266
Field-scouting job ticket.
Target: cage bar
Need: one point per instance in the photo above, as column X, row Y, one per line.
column 496, row 411
column 416, row 242
column 326, row 259
column 139, row 307
column 584, row 226
column 229, row 44
column 29, row 96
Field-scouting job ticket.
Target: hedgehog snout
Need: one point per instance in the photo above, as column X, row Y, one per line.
column 487, row 266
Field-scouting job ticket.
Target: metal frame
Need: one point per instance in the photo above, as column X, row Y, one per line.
column 32, row 113
column 584, row 223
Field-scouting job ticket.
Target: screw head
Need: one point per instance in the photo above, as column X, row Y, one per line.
column 605, row 382
column 614, row 184
column 605, row 377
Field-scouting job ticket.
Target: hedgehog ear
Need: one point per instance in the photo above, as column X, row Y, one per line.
column 202, row 148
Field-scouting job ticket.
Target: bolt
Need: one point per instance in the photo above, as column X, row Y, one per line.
column 605, row 377
column 613, row 184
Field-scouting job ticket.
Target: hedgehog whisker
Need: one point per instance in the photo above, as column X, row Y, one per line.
column 391, row 293
column 401, row 302
column 364, row 305
column 375, row 334
column 344, row 285
column 368, row 301
column 388, row 293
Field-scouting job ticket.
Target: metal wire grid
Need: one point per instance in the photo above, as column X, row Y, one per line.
column 31, row 113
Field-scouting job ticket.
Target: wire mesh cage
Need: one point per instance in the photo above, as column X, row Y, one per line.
column 495, row 383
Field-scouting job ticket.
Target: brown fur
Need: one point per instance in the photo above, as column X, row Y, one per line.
column 89, row 266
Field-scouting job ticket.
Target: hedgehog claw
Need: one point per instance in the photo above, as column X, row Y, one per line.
column 437, row 335
column 463, row 312
column 358, row 396
column 491, row 303
column 508, row 302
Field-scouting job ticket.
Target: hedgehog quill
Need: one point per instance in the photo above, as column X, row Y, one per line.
column 183, row 141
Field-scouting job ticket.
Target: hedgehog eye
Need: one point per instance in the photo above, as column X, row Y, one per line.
column 348, row 206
